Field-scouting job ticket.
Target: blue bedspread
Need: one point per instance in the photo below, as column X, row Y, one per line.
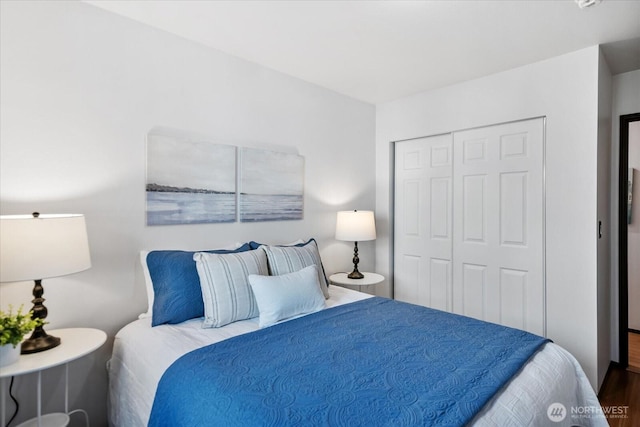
column 376, row 362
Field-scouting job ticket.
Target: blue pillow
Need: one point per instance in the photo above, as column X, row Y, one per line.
column 287, row 296
column 256, row 245
column 176, row 285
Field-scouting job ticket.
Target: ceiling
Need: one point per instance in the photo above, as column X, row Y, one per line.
column 377, row 51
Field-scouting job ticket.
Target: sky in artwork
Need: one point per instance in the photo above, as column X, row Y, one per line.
column 197, row 164
column 269, row 172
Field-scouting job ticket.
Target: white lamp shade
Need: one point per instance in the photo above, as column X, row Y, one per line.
column 39, row 248
column 355, row 226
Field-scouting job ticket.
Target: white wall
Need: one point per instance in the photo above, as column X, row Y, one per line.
column 633, row 243
column 626, row 100
column 565, row 90
column 79, row 90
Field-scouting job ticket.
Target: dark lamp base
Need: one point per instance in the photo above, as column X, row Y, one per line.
column 35, row 345
column 39, row 339
column 355, row 274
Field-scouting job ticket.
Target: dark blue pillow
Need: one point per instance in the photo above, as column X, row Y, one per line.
column 176, row 285
column 256, row 245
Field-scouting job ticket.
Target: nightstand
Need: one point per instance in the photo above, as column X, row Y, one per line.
column 76, row 342
column 369, row 279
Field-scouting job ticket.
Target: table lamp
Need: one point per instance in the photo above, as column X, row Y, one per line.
column 36, row 247
column 355, row 226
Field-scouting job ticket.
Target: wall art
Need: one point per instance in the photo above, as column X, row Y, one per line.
column 271, row 185
column 189, row 181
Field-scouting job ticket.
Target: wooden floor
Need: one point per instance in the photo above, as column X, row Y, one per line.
column 621, row 388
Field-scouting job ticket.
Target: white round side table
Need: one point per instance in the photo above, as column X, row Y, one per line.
column 75, row 343
column 369, row 279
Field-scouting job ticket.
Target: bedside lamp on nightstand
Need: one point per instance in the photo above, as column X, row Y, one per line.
column 355, row 226
column 36, row 247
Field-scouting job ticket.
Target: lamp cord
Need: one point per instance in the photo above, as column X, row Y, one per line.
column 15, row 411
column 17, row 408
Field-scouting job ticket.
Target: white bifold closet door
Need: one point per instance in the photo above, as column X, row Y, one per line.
column 424, row 222
column 469, row 223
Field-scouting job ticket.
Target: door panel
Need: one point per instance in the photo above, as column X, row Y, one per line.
column 423, row 221
column 498, row 223
column 469, row 223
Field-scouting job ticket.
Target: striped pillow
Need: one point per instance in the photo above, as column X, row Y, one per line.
column 289, row 259
column 224, row 279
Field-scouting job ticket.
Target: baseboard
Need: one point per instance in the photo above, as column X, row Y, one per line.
column 633, row 331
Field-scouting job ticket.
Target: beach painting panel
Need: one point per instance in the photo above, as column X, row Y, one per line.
column 271, row 186
column 189, row 181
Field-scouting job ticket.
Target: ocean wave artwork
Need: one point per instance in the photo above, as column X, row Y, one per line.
column 170, row 208
column 189, row 180
column 271, row 186
column 270, row 207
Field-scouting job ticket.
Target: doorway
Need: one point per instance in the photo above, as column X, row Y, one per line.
column 629, row 241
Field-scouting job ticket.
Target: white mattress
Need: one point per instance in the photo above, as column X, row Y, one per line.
column 141, row 354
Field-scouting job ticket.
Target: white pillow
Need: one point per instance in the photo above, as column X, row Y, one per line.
column 148, row 285
column 287, row 296
column 224, row 280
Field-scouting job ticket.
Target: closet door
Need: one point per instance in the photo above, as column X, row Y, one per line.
column 498, row 237
column 423, row 222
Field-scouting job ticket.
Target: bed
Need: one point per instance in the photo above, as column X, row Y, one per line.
column 151, row 384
